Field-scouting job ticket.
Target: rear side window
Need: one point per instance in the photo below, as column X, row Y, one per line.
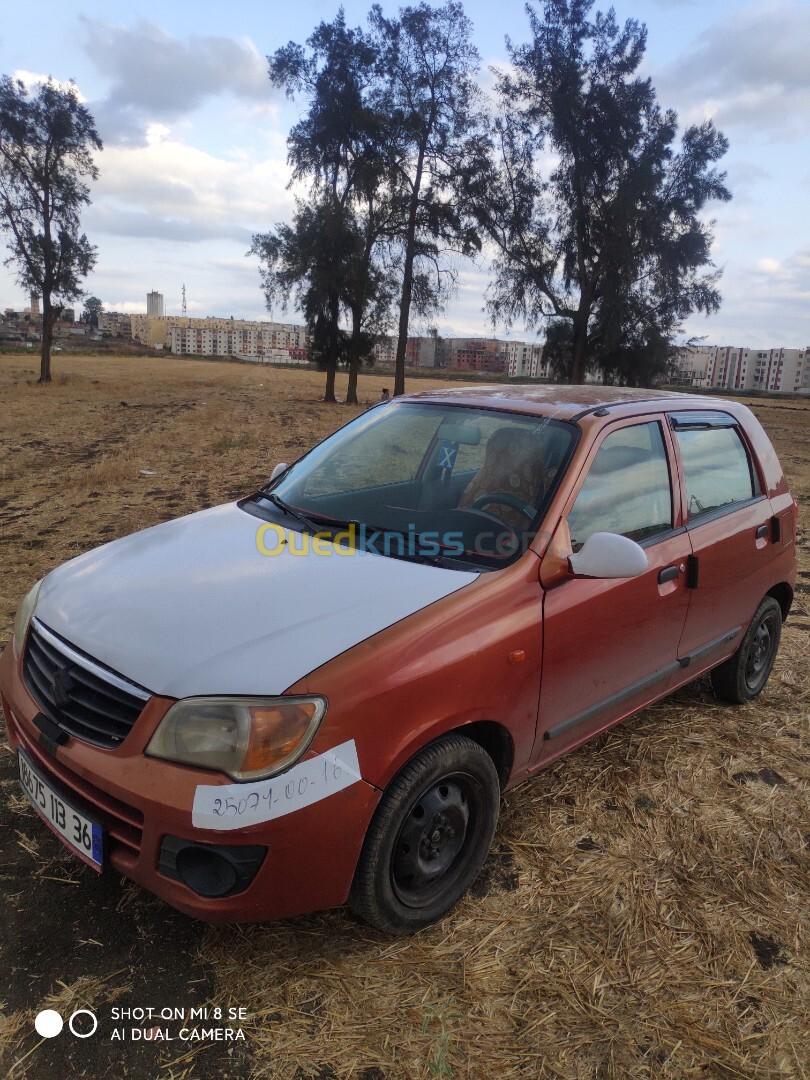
column 627, row 490
column 717, row 469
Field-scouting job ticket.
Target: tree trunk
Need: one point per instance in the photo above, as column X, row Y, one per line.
column 579, row 350
column 407, row 278
column 354, row 359
column 48, row 320
column 329, row 391
column 331, row 355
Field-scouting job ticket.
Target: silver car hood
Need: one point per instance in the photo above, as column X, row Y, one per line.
column 191, row 606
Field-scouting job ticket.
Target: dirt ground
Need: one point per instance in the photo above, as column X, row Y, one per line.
column 644, row 912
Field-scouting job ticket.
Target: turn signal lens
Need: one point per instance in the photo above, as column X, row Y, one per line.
column 247, row 738
column 276, row 733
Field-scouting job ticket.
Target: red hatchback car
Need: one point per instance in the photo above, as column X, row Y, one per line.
column 317, row 694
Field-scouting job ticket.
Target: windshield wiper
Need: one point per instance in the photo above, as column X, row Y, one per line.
column 290, row 511
column 438, row 558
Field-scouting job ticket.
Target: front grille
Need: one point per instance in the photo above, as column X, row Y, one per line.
column 81, row 696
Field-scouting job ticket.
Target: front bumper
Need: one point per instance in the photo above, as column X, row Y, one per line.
column 311, row 853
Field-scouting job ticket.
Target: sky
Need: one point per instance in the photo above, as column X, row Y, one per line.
column 194, row 158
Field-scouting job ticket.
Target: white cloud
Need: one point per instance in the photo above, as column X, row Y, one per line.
column 157, row 77
column 30, row 79
column 171, row 190
column 766, row 303
column 750, row 70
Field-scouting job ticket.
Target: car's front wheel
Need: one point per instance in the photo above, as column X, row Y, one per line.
column 429, row 837
column 743, row 675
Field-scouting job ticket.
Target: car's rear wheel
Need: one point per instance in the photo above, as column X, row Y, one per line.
column 744, row 675
column 429, row 837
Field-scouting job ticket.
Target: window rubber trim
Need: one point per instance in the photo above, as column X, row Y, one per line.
column 723, row 511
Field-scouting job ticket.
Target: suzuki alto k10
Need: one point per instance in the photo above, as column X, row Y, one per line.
column 317, row 694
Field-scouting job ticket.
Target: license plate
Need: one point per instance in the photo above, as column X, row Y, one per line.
column 83, row 836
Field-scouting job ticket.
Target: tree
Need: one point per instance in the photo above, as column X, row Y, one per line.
column 427, row 67
column 329, row 253
column 557, row 351
column 639, row 362
column 93, row 308
column 622, row 353
column 297, row 263
column 337, row 148
column 367, row 285
column 47, row 140
column 595, row 214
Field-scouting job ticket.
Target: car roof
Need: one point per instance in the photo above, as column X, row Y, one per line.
column 565, row 402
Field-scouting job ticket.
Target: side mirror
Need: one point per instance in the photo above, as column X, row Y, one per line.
column 277, row 471
column 608, row 555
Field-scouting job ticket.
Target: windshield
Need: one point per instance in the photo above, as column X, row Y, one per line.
column 441, row 483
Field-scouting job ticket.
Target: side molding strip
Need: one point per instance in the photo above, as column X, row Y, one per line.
column 641, row 684
column 614, row 699
column 710, row 646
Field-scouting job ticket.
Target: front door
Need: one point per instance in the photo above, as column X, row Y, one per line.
column 610, row 646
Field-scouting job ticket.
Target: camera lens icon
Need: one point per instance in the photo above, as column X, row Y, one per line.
column 49, row 1023
column 83, row 1034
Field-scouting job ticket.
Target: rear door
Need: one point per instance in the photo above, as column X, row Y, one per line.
column 611, row 645
column 728, row 520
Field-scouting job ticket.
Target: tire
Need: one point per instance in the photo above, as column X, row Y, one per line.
column 743, row 676
column 429, row 837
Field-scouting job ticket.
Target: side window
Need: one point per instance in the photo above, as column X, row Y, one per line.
column 716, row 468
column 628, row 488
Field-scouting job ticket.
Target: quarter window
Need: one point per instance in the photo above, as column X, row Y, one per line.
column 716, row 468
column 627, row 490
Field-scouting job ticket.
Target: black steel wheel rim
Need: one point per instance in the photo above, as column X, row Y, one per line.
column 435, row 838
column 761, row 652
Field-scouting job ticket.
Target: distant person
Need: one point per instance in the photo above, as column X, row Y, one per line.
column 385, row 395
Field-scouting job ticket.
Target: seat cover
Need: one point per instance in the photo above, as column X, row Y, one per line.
column 513, row 463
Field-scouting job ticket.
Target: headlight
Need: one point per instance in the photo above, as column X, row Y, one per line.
column 23, row 617
column 247, row 738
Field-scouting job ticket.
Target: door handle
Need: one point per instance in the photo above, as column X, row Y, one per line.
column 669, row 573
column 762, row 532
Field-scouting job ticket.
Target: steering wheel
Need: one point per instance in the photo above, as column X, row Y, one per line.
column 505, row 499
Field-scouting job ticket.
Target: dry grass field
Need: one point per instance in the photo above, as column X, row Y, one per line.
column 645, row 909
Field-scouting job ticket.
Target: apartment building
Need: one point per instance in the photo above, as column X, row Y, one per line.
column 385, row 351
column 731, row 368
column 475, row 354
column 693, row 366
column 783, row 371
column 153, row 330
column 423, row 352
column 265, row 342
column 459, row 354
column 728, row 367
column 115, row 323
column 154, row 304
column 518, row 359
column 525, row 360
column 426, row 351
